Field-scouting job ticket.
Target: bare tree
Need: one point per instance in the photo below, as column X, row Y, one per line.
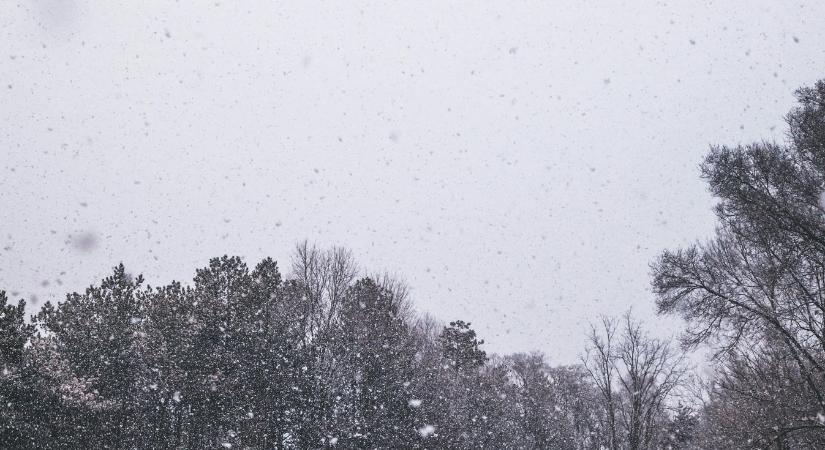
column 325, row 276
column 600, row 362
column 636, row 375
column 399, row 290
column 763, row 275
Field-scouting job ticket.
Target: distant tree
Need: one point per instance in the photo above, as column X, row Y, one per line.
column 679, row 432
column 15, row 396
column 374, row 352
column 98, row 335
column 325, row 276
column 170, row 354
column 14, row 331
column 636, row 376
column 579, row 407
column 461, row 347
column 600, row 362
column 557, row 407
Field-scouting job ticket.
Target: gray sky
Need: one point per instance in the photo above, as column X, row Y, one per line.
column 519, row 163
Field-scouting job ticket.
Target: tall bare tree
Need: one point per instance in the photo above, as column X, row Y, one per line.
column 325, row 276
column 636, row 376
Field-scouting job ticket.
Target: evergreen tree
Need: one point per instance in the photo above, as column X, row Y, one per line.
column 461, row 347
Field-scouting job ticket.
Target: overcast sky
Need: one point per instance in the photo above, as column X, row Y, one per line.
column 520, row 164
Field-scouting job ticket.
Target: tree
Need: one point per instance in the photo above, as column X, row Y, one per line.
column 375, row 358
column 15, row 395
column 14, row 331
column 755, row 393
column 600, row 362
column 679, row 433
column 469, row 403
column 325, row 276
column 98, row 336
column 558, row 407
column 636, row 376
column 460, row 346
column 764, row 271
column 582, row 411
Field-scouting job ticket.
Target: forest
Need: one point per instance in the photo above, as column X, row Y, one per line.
column 319, row 353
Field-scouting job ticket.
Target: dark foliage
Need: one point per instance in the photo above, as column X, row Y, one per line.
column 247, row 359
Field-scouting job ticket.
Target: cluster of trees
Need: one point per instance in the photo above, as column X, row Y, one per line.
column 326, row 357
column 247, row 359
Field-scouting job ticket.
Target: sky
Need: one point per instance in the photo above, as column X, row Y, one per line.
column 520, row 164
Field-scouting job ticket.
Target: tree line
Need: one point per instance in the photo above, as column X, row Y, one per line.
column 248, row 359
column 327, row 357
